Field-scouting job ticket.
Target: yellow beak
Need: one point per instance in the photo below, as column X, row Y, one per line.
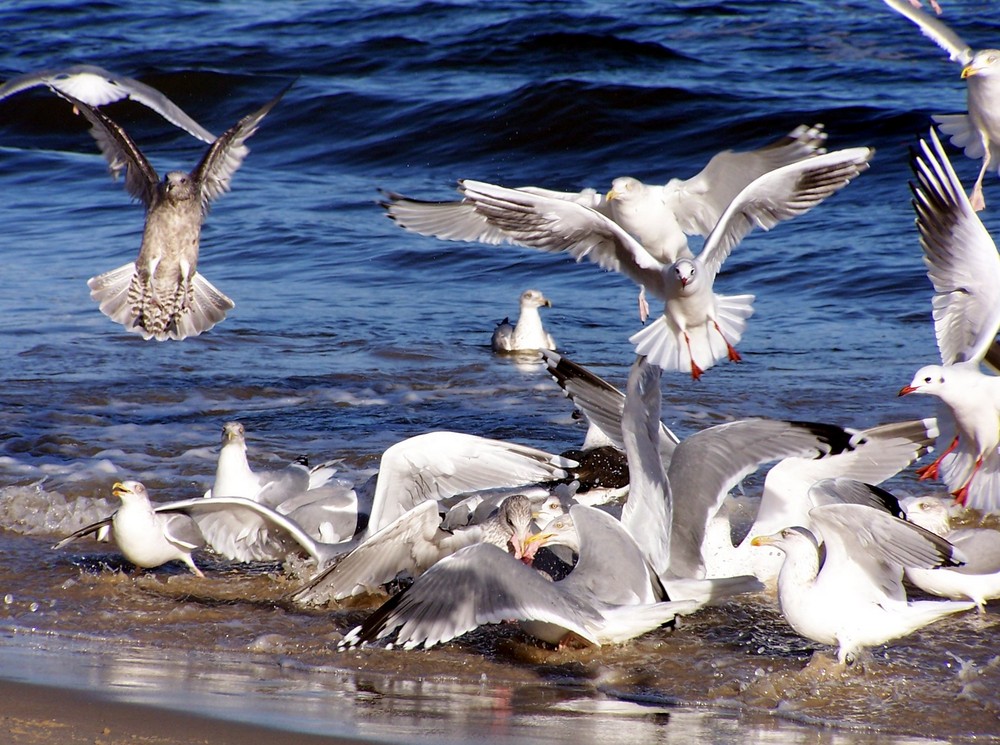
column 612, row 195
column 761, row 540
column 118, row 489
column 968, row 71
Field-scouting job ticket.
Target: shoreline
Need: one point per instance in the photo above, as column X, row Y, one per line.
column 38, row 714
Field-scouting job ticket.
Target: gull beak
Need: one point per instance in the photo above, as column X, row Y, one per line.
column 612, row 195
column 531, row 545
column 968, row 71
column 906, row 389
column 547, row 303
column 118, row 489
column 761, row 540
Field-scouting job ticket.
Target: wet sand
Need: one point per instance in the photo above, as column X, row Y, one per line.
column 44, row 715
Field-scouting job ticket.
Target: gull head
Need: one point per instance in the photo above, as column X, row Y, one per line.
column 930, row 513
column 561, row 531
column 178, row 186
column 930, row 380
column 534, row 299
column 624, row 188
column 685, row 272
column 985, row 62
column 515, row 519
column 130, row 492
column 233, row 432
column 787, row 538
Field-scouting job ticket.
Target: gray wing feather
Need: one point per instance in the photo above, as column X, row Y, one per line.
column 934, row 30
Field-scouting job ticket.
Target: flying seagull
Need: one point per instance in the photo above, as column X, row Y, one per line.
column 977, row 132
column 964, row 268
column 161, row 295
column 95, row 86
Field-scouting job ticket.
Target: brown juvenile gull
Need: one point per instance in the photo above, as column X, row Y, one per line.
column 528, row 334
column 977, row 132
column 96, row 86
column 161, row 295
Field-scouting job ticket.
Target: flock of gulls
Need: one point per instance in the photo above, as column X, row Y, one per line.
column 635, row 527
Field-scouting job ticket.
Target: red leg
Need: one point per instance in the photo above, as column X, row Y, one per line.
column 933, row 470
column 962, row 494
column 695, row 370
column 734, row 356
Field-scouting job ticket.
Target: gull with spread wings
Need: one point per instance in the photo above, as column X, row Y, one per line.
column 161, row 295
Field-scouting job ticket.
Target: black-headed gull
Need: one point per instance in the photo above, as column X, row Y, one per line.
column 964, row 268
column 698, row 327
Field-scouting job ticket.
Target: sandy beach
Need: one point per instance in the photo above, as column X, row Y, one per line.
column 43, row 715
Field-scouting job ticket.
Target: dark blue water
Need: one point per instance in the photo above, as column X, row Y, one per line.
column 349, row 334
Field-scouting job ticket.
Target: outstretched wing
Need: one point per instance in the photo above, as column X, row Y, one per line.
column 934, row 30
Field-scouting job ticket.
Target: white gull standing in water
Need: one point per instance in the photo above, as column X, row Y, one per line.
column 528, row 334
column 95, row 86
column 977, row 132
column 964, row 268
column 161, row 295
column 848, row 591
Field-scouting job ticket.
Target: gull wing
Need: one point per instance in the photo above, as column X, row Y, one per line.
column 961, row 258
column 934, row 30
column 437, row 465
column 780, row 195
column 215, row 171
column 560, row 226
column 700, row 201
column 121, row 153
column 96, row 86
column 478, row 585
column 460, row 221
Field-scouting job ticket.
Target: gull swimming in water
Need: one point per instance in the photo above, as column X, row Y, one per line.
column 149, row 539
column 848, row 591
column 161, row 295
column 95, row 86
column 528, row 334
column 979, row 578
column 481, row 585
column 698, row 327
column 659, row 217
column 977, row 132
column 964, row 268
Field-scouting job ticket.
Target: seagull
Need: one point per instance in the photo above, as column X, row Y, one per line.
column 977, row 132
column 149, row 539
column 697, row 327
column 979, row 578
column 660, row 218
column 95, row 86
column 411, row 544
column 964, row 268
column 161, row 295
column 594, row 604
column 849, row 592
column 528, row 334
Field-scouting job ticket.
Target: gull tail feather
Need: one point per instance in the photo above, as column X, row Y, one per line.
column 208, row 307
column 629, row 621
column 962, row 133
column 110, row 290
column 661, row 344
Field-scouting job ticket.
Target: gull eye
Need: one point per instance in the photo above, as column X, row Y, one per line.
column 927, row 379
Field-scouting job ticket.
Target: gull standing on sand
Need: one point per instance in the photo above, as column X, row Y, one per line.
column 528, row 334
column 95, row 86
column 964, row 268
column 979, row 578
column 698, row 327
column 848, row 592
column 148, row 539
column 659, row 217
column 161, row 295
column 977, row 132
